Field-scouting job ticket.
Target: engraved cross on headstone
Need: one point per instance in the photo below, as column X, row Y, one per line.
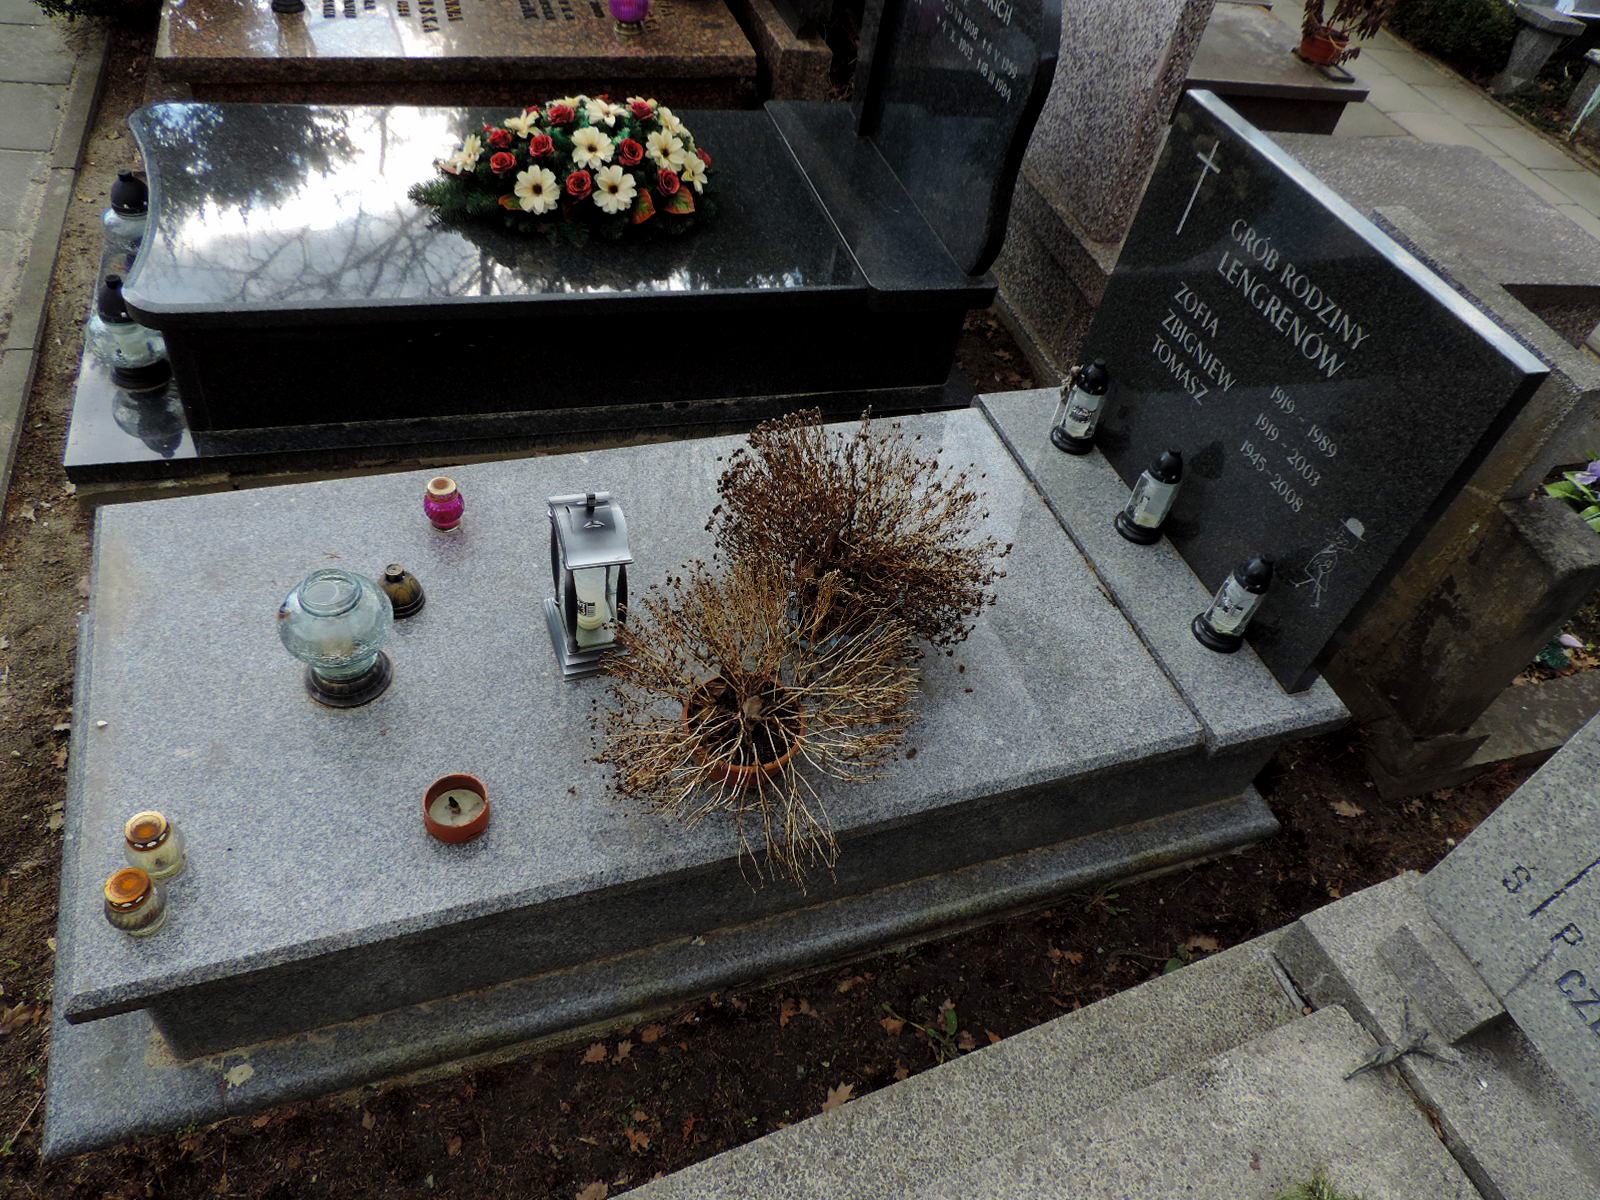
column 1208, row 164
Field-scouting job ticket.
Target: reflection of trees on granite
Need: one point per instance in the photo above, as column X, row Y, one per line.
column 237, row 174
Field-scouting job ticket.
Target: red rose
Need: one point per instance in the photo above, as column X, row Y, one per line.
column 562, row 114
column 541, row 144
column 500, row 139
column 531, row 111
column 580, row 184
column 668, row 183
column 502, row 162
column 630, row 152
column 704, row 157
column 643, row 109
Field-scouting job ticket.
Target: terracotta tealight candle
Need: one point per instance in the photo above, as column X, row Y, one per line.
column 456, row 808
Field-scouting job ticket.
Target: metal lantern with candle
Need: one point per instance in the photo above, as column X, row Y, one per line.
column 589, row 557
column 1078, row 413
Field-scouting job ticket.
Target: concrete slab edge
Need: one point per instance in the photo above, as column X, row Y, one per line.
column 113, row 1080
column 19, row 359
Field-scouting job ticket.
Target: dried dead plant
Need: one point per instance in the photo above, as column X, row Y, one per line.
column 723, row 701
column 900, row 530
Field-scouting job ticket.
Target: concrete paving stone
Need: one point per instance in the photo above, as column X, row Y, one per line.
column 34, row 54
column 933, row 1125
column 1574, row 187
column 1362, row 120
column 1390, row 94
column 1582, row 216
column 1533, row 180
column 1528, row 148
column 29, row 114
column 1367, row 68
column 1466, row 104
column 1247, row 1125
column 1409, row 66
column 21, row 12
column 10, row 268
column 34, row 272
column 1442, row 130
column 22, row 174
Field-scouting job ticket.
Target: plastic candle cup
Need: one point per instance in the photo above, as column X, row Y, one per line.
column 456, row 808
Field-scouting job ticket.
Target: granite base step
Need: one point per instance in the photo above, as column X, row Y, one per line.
column 1246, row 1124
column 911, row 1135
column 124, row 1056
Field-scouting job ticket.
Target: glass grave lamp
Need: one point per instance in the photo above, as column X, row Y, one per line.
column 629, row 15
column 1083, row 401
column 136, row 355
column 155, row 417
column 589, row 557
column 336, row 622
column 1221, row 627
column 124, row 223
column 1151, row 499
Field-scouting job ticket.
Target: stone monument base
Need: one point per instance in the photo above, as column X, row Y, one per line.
column 1079, row 735
column 475, row 52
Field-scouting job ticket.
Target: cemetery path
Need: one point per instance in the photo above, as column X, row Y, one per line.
column 593, row 1119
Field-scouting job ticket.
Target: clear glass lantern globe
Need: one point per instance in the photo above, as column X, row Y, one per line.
column 336, row 622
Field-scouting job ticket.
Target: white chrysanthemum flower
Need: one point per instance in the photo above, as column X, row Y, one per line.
column 591, row 148
column 466, row 158
column 614, row 189
column 669, row 121
column 693, row 172
column 665, row 149
column 536, row 190
column 602, row 112
column 523, row 124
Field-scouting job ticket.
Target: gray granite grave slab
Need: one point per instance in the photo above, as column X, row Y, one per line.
column 1509, row 1119
column 126, row 1058
column 203, row 710
column 1520, row 897
column 1292, row 351
column 1234, row 696
column 1427, row 964
column 1247, row 1124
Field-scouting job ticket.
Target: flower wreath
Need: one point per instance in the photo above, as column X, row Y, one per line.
column 579, row 158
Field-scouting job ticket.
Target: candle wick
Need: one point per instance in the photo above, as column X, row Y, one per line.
column 455, row 805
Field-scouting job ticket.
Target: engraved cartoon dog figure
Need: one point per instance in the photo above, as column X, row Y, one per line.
column 1319, row 567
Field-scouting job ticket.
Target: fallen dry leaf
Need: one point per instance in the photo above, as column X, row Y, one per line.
column 846, row 984
column 1346, row 809
column 453, row 1146
column 59, row 758
column 595, row 1053
column 893, row 1026
column 965, row 1041
column 1203, row 943
column 992, row 1035
column 19, row 1015
column 261, row 1121
column 26, row 512
column 842, row 1094
column 900, row 1072
column 239, row 1075
column 595, row 1191
column 688, row 1125
column 367, row 1120
column 651, row 1032
column 623, row 1050
column 638, row 1140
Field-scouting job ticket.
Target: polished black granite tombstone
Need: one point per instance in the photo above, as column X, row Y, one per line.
column 1329, row 393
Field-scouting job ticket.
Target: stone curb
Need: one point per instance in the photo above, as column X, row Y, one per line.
column 19, row 357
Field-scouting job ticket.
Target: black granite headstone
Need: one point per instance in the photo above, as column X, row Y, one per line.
column 949, row 92
column 1328, row 392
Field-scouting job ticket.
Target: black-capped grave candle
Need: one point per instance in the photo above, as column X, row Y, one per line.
column 1152, row 499
column 1221, row 627
column 1083, row 400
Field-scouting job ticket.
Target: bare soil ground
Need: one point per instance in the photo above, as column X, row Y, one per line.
column 594, row 1119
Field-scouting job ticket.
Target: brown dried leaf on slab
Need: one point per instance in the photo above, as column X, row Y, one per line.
column 840, row 1095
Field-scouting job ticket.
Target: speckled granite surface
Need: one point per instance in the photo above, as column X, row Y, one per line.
column 352, row 42
column 1121, row 71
